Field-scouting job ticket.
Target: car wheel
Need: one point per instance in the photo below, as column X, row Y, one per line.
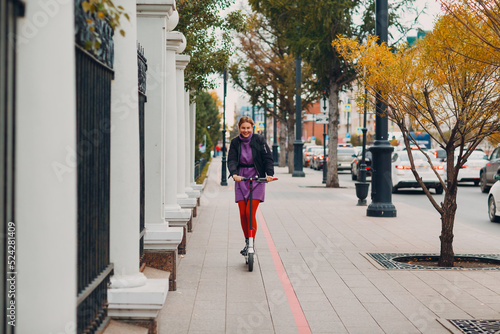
column 482, row 183
column 439, row 190
column 394, row 190
column 492, row 210
column 354, row 177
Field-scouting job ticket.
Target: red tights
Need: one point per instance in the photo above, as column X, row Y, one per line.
column 244, row 207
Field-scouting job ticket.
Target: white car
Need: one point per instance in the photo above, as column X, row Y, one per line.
column 494, row 201
column 402, row 176
column 470, row 170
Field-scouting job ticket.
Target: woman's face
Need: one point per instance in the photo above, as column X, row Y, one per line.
column 246, row 129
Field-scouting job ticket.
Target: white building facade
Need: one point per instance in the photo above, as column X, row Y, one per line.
column 100, row 184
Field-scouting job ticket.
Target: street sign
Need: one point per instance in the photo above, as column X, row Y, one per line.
column 348, row 135
column 347, row 107
column 321, row 119
column 359, row 131
column 309, row 118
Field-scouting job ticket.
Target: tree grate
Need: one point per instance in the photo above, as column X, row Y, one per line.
column 477, row 326
column 386, row 260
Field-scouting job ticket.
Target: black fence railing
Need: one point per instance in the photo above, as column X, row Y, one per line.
column 142, row 66
column 198, row 167
column 10, row 10
column 93, row 90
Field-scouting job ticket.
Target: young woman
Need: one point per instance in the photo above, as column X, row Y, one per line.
column 249, row 156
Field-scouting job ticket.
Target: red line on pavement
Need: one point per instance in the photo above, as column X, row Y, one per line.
column 298, row 314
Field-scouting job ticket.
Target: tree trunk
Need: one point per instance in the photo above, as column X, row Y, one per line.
column 282, row 144
column 332, row 177
column 449, row 205
column 447, row 256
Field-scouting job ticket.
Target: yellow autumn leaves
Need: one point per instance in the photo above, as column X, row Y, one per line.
column 447, row 83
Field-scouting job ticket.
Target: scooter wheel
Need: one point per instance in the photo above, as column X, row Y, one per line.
column 250, row 262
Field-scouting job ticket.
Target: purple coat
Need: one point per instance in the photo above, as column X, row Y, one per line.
column 242, row 189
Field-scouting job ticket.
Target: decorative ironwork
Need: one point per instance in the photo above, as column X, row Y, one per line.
column 142, row 68
column 142, row 64
column 93, row 88
column 88, row 39
column 10, row 10
column 471, row 326
column 142, row 230
column 387, row 260
column 198, row 168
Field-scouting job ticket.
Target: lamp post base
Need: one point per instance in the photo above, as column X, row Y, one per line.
column 298, row 173
column 297, row 156
column 223, row 181
column 381, row 210
column 362, row 192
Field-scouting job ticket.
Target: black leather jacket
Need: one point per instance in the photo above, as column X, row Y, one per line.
column 261, row 154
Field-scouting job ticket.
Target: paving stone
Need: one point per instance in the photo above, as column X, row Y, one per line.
column 322, row 239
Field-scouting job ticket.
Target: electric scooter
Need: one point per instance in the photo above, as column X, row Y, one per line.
column 249, row 256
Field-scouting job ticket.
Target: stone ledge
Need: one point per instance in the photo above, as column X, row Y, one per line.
column 186, row 202
column 144, row 302
column 162, row 237
column 178, row 215
column 193, row 193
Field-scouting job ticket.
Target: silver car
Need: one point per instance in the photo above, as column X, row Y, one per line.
column 344, row 157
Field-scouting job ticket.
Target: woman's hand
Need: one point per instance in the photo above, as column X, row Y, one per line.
column 236, row 178
column 269, row 178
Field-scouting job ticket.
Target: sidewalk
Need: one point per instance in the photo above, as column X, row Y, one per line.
column 321, row 240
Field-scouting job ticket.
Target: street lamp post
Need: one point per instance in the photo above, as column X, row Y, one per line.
column 381, row 205
column 325, row 165
column 275, row 133
column 223, row 181
column 362, row 186
column 298, row 144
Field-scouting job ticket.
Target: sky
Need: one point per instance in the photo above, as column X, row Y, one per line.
column 236, row 99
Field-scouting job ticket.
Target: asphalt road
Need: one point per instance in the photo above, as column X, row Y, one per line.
column 472, row 203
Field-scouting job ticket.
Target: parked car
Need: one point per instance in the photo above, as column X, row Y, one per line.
column 470, row 170
column 438, row 153
column 488, row 172
column 402, row 175
column 308, row 154
column 494, row 201
column 318, row 159
column 357, row 161
column 344, row 157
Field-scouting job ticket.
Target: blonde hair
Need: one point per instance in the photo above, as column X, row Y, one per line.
column 245, row 119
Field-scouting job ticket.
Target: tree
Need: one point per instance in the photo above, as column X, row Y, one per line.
column 310, row 27
column 452, row 93
column 265, row 70
column 480, row 20
column 207, row 122
column 209, row 41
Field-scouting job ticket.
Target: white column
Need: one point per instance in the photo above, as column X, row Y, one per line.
column 46, row 175
column 153, row 20
column 151, row 23
column 125, row 170
column 181, row 61
column 175, row 40
column 189, row 148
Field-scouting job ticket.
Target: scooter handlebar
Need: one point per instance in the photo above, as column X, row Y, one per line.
column 257, row 179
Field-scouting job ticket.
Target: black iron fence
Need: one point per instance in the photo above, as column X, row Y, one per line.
column 198, row 167
column 93, row 88
column 142, row 66
column 10, row 10
column 93, row 92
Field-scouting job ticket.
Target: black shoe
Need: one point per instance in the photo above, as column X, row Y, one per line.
column 244, row 251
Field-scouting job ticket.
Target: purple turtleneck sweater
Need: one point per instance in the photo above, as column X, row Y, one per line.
column 242, row 190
